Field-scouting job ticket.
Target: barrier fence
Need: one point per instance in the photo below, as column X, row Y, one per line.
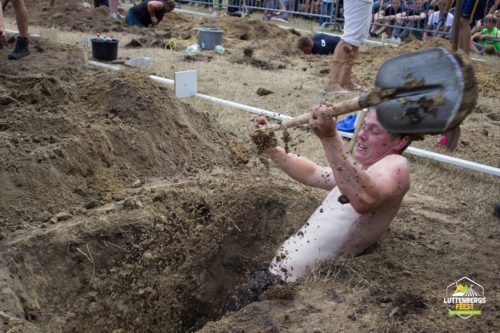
column 327, row 13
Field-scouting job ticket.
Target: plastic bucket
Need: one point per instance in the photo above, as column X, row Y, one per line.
column 209, row 38
column 106, row 50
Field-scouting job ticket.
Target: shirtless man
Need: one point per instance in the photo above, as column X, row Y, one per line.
column 365, row 193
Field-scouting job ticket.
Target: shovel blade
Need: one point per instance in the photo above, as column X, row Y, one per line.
column 429, row 87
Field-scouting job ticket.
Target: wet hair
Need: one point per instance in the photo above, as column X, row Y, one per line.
column 304, row 43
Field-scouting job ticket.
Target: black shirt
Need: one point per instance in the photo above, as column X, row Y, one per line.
column 142, row 13
column 324, row 44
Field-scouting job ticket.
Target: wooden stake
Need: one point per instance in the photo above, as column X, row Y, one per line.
column 456, row 24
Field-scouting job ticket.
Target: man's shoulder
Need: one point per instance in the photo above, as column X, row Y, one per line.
column 391, row 162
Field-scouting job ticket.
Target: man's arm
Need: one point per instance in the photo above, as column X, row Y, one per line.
column 302, row 169
column 298, row 168
column 153, row 7
column 386, row 180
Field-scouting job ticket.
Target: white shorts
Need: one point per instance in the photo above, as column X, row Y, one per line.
column 357, row 14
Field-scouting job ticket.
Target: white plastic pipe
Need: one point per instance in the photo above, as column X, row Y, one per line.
column 105, row 66
column 455, row 161
column 183, row 11
column 15, row 32
column 411, row 150
column 162, row 80
column 244, row 107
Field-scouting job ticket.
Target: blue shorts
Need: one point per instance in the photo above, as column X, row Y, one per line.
column 131, row 19
column 474, row 9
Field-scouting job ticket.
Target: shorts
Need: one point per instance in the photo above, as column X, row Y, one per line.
column 131, row 19
column 357, row 15
column 473, row 9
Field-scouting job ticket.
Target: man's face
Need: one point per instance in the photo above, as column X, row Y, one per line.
column 418, row 4
column 374, row 142
column 395, row 4
column 308, row 49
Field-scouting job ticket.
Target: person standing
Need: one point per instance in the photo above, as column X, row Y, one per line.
column 472, row 11
column 113, row 10
column 357, row 14
column 22, row 41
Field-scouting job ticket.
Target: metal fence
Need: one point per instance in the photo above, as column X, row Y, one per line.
column 328, row 14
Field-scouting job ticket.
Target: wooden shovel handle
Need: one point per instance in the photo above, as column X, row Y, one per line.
column 372, row 98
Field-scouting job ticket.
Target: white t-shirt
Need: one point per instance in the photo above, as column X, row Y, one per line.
column 434, row 20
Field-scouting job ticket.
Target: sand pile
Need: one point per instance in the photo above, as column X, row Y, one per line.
column 118, row 199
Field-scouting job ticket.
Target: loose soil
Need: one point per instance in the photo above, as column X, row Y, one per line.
column 124, row 209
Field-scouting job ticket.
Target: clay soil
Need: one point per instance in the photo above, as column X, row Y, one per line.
column 125, row 209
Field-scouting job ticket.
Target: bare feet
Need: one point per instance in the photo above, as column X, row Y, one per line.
column 357, row 87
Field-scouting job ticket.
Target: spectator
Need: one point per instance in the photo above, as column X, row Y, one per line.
column 319, row 43
column 415, row 17
column 113, row 10
column 99, row 3
column 495, row 11
column 312, row 7
column 281, row 14
column 472, row 11
column 357, row 14
column 387, row 16
column 488, row 40
column 326, row 10
column 22, row 41
column 435, row 22
column 148, row 13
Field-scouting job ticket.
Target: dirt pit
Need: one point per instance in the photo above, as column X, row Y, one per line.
column 124, row 200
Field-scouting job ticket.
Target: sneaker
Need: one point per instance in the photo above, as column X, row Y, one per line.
column 114, row 17
column 21, row 49
column 251, row 291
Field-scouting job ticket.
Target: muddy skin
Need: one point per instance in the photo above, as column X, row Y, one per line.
column 264, row 140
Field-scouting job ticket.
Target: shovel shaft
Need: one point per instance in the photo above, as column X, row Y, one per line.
column 372, row 98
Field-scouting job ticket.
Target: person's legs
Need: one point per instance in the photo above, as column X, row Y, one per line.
column 464, row 35
column 339, row 59
column 346, row 81
column 326, row 9
column 132, row 20
column 472, row 10
column 397, row 31
column 21, row 17
column 357, row 23
column 21, row 48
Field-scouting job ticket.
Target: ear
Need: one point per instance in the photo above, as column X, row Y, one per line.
column 402, row 143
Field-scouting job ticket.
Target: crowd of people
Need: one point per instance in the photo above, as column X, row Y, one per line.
column 398, row 20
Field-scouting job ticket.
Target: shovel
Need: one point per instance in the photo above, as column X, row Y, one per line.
column 425, row 92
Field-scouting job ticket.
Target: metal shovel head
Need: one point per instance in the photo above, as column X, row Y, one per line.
column 428, row 90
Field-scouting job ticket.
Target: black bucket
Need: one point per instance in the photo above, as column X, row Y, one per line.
column 106, row 50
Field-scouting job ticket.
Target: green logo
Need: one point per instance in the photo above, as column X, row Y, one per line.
column 464, row 298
